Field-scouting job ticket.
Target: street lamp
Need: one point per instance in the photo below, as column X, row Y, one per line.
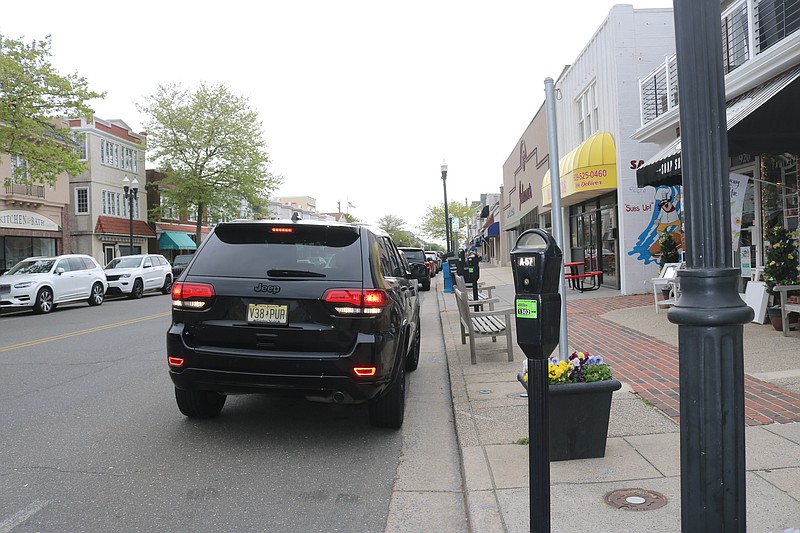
column 131, row 190
column 446, row 214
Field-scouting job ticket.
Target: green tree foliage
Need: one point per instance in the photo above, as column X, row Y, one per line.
column 669, row 249
column 433, row 225
column 394, row 226
column 781, row 258
column 34, row 102
column 210, row 145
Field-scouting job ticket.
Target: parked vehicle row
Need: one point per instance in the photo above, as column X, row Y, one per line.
column 42, row 283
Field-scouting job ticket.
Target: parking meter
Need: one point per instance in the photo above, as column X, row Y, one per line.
column 460, row 263
column 536, row 265
column 472, row 272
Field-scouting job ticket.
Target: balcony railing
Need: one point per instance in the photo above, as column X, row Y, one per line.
column 749, row 28
column 21, row 189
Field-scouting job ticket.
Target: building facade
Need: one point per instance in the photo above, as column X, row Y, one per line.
column 34, row 219
column 761, row 64
column 604, row 213
column 100, row 214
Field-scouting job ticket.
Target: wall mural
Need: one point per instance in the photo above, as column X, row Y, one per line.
column 666, row 217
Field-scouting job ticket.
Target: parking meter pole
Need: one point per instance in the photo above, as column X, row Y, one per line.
column 536, row 262
column 555, row 191
column 539, row 444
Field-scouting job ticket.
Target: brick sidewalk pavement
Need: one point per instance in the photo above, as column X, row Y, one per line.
column 650, row 366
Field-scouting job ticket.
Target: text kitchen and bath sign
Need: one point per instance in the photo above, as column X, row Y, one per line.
column 18, row 219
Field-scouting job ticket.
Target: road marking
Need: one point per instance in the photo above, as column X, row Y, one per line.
column 81, row 332
column 13, row 521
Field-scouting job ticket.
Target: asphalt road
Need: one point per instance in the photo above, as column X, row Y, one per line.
column 91, row 439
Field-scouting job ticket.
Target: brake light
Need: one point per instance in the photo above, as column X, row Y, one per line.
column 175, row 361
column 282, row 230
column 363, row 371
column 195, row 296
column 356, row 301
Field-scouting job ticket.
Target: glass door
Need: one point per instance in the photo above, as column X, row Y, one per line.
column 608, row 257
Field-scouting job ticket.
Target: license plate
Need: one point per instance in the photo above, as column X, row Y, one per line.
column 268, row 313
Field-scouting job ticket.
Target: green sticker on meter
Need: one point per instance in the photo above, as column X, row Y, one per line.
column 527, row 309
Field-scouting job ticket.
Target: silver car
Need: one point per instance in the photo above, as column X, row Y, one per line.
column 132, row 275
column 44, row 282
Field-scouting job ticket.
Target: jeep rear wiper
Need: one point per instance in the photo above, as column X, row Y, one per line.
column 286, row 273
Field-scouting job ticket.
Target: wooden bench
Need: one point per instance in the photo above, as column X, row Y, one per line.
column 578, row 281
column 490, row 323
column 786, row 307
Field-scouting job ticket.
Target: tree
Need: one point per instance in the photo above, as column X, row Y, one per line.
column 210, row 145
column 350, row 218
column 433, row 225
column 393, row 225
column 34, row 101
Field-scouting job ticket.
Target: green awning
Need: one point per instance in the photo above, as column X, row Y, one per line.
column 176, row 240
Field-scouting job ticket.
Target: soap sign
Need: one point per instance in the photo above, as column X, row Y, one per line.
column 527, row 309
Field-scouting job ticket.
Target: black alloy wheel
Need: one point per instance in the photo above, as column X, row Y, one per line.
column 138, row 289
column 199, row 404
column 387, row 411
column 44, row 301
column 167, row 288
column 97, row 295
column 413, row 357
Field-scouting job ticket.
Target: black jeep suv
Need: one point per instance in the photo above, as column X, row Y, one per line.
column 321, row 310
column 419, row 267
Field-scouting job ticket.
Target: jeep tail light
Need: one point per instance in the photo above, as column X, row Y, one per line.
column 175, row 361
column 196, row 296
column 364, row 371
column 356, row 301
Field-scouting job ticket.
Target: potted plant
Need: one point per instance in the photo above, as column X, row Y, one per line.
column 780, row 266
column 580, row 392
column 669, row 254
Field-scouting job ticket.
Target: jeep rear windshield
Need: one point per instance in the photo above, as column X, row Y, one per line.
column 417, row 256
column 281, row 252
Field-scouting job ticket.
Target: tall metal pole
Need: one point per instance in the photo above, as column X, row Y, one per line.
column 446, row 214
column 709, row 312
column 131, row 190
column 555, row 191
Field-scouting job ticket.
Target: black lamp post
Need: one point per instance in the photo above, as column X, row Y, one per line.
column 131, row 191
column 446, row 214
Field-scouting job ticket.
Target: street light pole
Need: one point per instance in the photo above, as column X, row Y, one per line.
column 131, row 190
column 446, row 214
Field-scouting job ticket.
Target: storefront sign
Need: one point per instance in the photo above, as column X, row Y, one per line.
column 18, row 219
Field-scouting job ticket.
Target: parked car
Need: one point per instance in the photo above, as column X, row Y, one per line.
column 179, row 264
column 134, row 274
column 326, row 311
column 42, row 283
column 434, row 258
column 420, row 267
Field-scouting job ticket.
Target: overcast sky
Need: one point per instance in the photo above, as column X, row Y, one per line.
column 360, row 100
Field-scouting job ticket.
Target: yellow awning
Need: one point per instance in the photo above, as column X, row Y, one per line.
column 587, row 171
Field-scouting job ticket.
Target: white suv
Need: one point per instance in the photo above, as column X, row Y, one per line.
column 134, row 274
column 44, row 282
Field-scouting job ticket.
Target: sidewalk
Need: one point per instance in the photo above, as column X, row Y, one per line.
column 644, row 441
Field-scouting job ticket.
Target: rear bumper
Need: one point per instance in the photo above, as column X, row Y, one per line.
column 253, row 371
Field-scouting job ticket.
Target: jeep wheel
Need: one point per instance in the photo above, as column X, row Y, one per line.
column 137, row 290
column 44, row 301
column 413, row 357
column 199, row 404
column 426, row 285
column 97, row 295
column 387, row 411
column 167, row 288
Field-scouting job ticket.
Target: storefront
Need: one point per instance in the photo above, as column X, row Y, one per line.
column 26, row 233
column 588, row 176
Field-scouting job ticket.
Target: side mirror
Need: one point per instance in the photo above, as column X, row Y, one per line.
column 60, row 270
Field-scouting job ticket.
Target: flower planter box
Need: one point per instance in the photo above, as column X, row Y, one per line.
column 579, row 414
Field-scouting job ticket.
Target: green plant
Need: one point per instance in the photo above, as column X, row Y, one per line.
column 580, row 368
column 669, row 249
column 780, row 266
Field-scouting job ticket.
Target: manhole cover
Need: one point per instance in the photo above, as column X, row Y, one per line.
column 636, row 499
